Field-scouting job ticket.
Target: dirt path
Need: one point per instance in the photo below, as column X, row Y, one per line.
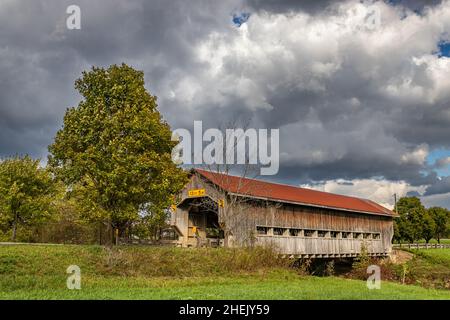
column 400, row 256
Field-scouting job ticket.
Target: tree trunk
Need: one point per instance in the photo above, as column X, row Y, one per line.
column 14, row 228
column 13, row 237
column 100, row 234
column 111, row 234
column 109, row 241
column 226, row 238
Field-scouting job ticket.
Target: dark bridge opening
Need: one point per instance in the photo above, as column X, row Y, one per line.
column 203, row 222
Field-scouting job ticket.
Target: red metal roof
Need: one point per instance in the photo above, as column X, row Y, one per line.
column 292, row 194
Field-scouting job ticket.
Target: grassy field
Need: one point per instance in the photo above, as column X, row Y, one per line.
column 437, row 256
column 443, row 241
column 39, row 272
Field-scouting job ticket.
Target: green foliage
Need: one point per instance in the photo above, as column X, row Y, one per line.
column 409, row 226
column 329, row 270
column 362, row 261
column 428, row 226
column 213, row 232
column 429, row 268
column 26, row 194
column 114, row 150
column 441, row 219
column 149, row 224
column 69, row 227
column 416, row 222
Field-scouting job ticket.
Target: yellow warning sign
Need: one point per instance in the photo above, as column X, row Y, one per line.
column 196, row 193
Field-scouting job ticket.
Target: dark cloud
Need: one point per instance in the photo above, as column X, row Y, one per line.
column 413, row 194
column 319, row 6
column 40, row 58
column 415, row 5
column 440, row 187
column 285, row 6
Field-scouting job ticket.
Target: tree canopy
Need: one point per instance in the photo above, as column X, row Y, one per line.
column 409, row 223
column 26, row 193
column 441, row 217
column 416, row 222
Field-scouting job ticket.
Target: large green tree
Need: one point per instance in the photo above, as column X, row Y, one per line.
column 441, row 217
column 26, row 193
column 115, row 148
column 428, row 226
column 409, row 226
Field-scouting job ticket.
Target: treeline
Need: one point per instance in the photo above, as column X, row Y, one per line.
column 417, row 222
column 109, row 172
column 35, row 206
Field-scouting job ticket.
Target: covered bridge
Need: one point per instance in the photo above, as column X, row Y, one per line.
column 216, row 208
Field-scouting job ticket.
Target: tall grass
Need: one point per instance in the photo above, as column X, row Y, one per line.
column 178, row 262
column 137, row 261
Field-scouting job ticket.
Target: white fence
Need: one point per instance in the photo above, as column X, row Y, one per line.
column 421, row 245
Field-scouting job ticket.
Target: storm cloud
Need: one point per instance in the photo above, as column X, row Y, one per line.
column 357, row 105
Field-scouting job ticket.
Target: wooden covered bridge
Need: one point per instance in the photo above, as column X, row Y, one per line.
column 216, row 208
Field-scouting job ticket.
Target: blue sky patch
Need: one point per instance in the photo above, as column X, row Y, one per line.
column 416, row 7
column 241, row 18
column 444, row 49
column 436, row 155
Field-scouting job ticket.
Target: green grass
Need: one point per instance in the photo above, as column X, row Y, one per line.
column 135, row 261
column 437, row 256
column 276, row 285
column 429, row 268
column 443, row 241
column 433, row 241
column 39, row 272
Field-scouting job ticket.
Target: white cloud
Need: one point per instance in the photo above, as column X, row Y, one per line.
column 380, row 191
column 279, row 49
column 417, row 156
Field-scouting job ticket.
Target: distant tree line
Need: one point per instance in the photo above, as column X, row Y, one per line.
column 109, row 172
column 417, row 222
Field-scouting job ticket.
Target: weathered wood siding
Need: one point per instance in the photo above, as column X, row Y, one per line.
column 290, row 216
column 324, row 220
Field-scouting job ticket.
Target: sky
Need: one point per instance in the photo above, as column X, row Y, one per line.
column 361, row 100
